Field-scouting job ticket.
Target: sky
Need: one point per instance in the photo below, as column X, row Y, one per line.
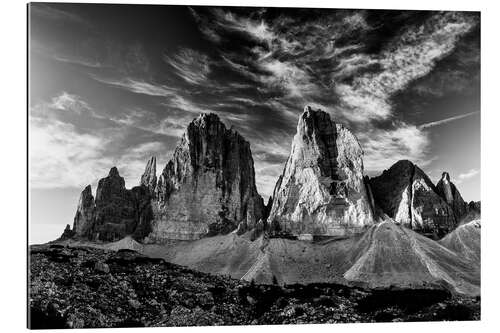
column 112, row 85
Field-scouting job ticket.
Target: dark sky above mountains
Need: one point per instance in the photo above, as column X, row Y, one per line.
column 115, row 84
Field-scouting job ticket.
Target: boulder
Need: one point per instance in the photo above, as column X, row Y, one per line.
column 209, row 185
column 321, row 190
column 406, row 194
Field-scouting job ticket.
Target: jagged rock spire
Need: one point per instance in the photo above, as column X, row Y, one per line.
column 449, row 192
column 148, row 179
column 85, row 212
column 113, row 172
column 321, row 190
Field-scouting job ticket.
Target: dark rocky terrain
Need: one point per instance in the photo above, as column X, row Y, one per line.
column 77, row 287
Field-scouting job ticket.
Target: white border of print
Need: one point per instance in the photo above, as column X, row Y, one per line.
column 13, row 168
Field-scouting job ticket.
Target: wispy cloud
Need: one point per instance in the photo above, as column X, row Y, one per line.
column 54, row 12
column 78, row 61
column 257, row 29
column 383, row 147
column 467, row 175
column 60, row 156
column 190, row 65
column 64, row 155
column 411, row 56
column 446, row 120
column 71, row 102
column 138, row 86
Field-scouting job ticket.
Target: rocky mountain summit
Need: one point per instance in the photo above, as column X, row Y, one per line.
column 207, row 188
column 209, row 185
column 447, row 190
column 114, row 213
column 322, row 190
column 406, row 194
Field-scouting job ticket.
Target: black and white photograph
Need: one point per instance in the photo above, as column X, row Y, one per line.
column 217, row 165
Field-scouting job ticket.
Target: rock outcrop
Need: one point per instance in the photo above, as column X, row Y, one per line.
column 148, row 179
column 85, row 212
column 115, row 208
column 406, row 194
column 67, row 233
column 321, row 190
column 473, row 212
column 208, row 188
column 449, row 192
column 116, row 211
column 474, row 206
column 209, row 185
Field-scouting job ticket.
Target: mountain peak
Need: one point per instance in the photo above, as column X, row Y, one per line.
column 113, row 172
column 148, row 178
column 207, row 118
column 322, row 190
column 445, row 176
column 449, row 192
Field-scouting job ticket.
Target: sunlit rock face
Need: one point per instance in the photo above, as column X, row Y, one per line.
column 321, row 190
column 148, row 179
column 449, row 192
column 85, row 213
column 405, row 193
column 209, row 185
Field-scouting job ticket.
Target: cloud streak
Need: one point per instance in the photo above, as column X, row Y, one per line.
column 190, row 65
column 446, row 120
column 467, row 175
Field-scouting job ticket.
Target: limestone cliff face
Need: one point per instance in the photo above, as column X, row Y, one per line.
column 148, row 179
column 405, row 193
column 116, row 211
column 207, row 188
column 209, row 185
column 85, row 213
column 321, row 190
column 449, row 192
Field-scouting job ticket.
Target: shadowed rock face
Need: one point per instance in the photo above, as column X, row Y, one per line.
column 406, row 194
column 321, row 190
column 449, row 192
column 209, row 185
column 115, row 209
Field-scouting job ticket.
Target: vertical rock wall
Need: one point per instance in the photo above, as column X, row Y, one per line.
column 322, row 190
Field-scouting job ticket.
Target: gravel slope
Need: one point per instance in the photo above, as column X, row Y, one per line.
column 384, row 256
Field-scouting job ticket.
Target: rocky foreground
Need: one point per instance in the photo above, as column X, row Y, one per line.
column 77, row 287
